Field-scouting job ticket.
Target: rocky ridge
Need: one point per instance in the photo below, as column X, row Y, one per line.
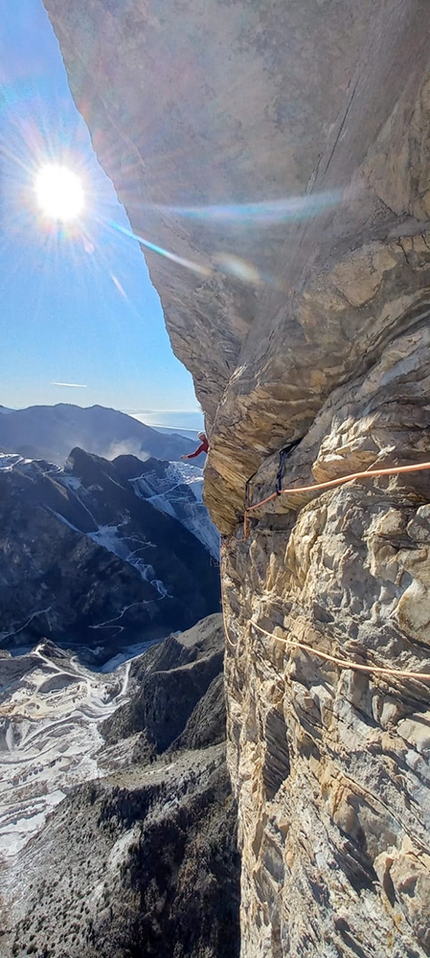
column 140, row 858
column 99, row 555
column 309, row 329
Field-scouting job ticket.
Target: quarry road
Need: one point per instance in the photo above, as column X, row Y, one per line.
column 50, row 709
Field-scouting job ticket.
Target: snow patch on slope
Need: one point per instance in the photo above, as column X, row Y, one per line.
column 49, row 738
column 180, row 494
column 9, row 460
column 71, row 482
column 111, row 538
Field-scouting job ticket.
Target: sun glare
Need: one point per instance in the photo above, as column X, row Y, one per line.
column 59, row 192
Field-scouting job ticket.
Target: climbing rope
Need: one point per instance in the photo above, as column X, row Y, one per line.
column 321, row 487
column 331, row 484
column 344, row 663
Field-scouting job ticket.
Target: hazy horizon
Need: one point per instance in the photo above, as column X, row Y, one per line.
column 187, row 422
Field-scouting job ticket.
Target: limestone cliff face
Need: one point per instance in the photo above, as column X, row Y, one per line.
column 310, row 328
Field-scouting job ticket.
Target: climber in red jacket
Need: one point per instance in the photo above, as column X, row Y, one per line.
column 204, row 446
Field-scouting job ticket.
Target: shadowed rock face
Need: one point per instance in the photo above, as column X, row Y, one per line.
column 323, row 338
column 172, row 678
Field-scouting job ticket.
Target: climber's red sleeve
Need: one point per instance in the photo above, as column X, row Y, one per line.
column 203, row 448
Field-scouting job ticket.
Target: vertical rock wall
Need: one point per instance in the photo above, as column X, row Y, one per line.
column 308, row 327
column 331, row 763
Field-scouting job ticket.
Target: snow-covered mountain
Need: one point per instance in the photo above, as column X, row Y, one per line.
column 101, row 554
column 176, row 488
column 50, row 432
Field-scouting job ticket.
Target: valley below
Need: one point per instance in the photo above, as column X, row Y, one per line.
column 118, row 827
column 117, row 821
column 51, row 707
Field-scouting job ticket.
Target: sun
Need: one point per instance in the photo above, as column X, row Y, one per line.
column 59, row 192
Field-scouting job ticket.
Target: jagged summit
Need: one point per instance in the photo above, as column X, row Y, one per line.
column 93, row 558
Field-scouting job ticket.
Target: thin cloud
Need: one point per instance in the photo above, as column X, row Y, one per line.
column 71, row 385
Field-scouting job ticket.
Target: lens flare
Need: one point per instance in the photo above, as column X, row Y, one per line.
column 265, row 213
column 199, row 268
column 238, row 267
column 59, row 192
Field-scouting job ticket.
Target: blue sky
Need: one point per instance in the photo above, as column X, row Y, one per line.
column 76, row 304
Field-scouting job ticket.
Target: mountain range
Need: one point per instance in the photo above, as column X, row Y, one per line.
column 117, row 822
column 51, row 432
column 97, row 555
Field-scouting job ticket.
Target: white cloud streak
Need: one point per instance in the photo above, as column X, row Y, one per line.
column 71, row 385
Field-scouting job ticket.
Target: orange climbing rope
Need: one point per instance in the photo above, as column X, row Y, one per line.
column 331, row 483
column 320, row 487
column 344, row 663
